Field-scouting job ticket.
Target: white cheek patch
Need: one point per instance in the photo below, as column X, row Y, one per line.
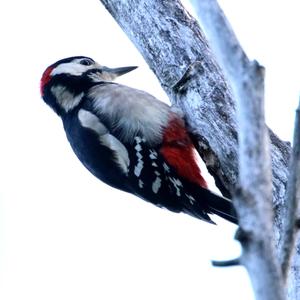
column 121, row 153
column 65, row 98
column 89, row 120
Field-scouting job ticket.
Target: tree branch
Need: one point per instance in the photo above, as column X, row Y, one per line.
column 254, row 206
column 226, row 263
column 222, row 37
column 235, row 63
column 170, row 41
column 175, row 48
column 291, row 215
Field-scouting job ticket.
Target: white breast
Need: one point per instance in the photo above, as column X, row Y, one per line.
column 131, row 111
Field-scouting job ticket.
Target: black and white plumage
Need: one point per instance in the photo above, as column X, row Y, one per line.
column 129, row 139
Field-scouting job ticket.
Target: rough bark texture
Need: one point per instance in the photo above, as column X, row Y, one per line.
column 293, row 280
column 170, row 41
column 253, row 206
column 291, row 222
column 177, row 51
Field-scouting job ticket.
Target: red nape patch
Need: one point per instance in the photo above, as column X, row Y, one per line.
column 45, row 79
column 179, row 151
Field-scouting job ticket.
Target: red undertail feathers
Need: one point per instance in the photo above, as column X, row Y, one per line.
column 179, row 151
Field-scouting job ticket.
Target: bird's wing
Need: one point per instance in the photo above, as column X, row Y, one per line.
column 152, row 178
column 162, row 170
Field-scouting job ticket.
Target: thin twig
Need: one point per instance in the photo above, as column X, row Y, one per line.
column 292, row 198
column 226, row 263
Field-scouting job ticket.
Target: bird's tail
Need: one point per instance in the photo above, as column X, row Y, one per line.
column 222, row 207
column 211, row 203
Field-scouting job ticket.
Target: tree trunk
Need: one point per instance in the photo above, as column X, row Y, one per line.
column 175, row 48
column 171, row 41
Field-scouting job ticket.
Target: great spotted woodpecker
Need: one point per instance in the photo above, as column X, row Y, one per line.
column 129, row 139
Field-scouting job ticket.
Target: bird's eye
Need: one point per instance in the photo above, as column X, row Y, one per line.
column 86, row 62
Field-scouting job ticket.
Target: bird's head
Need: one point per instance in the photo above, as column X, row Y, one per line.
column 65, row 82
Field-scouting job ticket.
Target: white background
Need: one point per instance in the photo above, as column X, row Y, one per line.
column 65, row 235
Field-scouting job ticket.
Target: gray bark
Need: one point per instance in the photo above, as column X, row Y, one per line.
column 254, row 207
column 238, row 68
column 170, row 40
column 290, row 259
column 177, row 51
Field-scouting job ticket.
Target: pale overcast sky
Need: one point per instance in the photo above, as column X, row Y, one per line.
column 63, row 233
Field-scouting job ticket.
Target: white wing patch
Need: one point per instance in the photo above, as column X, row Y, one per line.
column 141, row 183
column 120, row 151
column 157, row 183
column 65, row 98
column 166, row 168
column 140, row 164
column 91, row 121
column 153, row 154
column 177, row 185
column 191, row 198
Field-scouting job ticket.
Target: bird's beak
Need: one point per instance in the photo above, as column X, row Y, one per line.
column 116, row 72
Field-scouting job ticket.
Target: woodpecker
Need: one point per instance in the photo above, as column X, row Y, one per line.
column 129, row 139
